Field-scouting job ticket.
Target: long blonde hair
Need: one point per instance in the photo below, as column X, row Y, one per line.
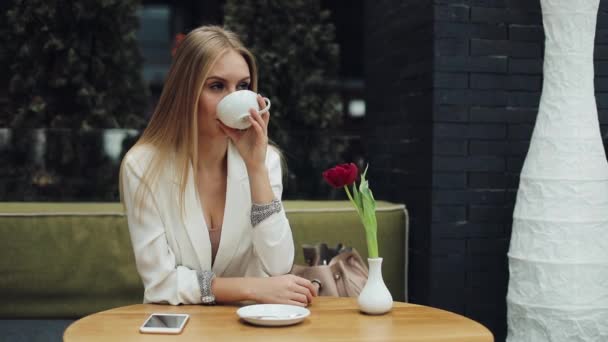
column 173, row 129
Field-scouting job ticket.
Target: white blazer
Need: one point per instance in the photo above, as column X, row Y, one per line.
column 170, row 247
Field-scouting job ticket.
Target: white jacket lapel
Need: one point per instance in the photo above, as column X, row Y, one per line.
column 196, row 227
column 236, row 211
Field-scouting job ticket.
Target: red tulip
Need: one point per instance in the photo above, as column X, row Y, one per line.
column 341, row 175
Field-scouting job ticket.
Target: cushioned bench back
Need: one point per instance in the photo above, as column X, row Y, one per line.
column 67, row 260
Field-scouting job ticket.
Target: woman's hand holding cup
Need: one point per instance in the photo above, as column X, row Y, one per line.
column 247, row 126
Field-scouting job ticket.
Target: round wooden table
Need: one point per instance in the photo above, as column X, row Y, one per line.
column 331, row 319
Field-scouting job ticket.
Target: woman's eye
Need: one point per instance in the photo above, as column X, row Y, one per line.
column 216, row 86
column 244, row 85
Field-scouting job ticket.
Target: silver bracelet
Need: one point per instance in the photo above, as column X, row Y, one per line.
column 259, row 212
column 204, row 282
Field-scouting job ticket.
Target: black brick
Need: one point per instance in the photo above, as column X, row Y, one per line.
column 489, row 148
column 510, row 115
column 468, row 30
column 443, row 299
column 489, row 213
column 404, row 147
column 489, row 81
column 449, row 113
column 491, row 279
column 448, row 213
column 499, row 15
column 447, row 263
column 601, row 68
column 450, row 246
column 451, row 80
column 498, row 148
column 528, row 5
column 514, row 164
column 488, row 3
column 520, row 132
column 488, row 131
column 477, row 246
column 601, row 52
column 472, row 97
column 524, row 82
column 513, row 180
column 413, row 69
column 449, row 180
column 452, row 47
column 419, row 82
column 526, row 33
column 468, row 164
column 601, row 84
column 471, row 64
column 487, row 180
column 525, row 66
column 524, row 99
column 602, row 20
column 468, row 229
column 510, row 195
column 487, row 263
column 454, row 13
column 603, row 116
column 485, row 47
column 450, row 147
column 480, row 3
column 445, row 197
column 601, row 36
column 449, row 230
column 454, row 130
column 602, row 100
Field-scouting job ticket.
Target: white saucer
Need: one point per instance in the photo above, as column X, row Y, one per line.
column 273, row 314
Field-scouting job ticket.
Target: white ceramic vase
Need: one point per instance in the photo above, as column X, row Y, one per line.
column 375, row 299
column 558, row 256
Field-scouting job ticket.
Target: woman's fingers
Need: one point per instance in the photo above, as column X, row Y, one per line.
column 307, row 284
column 256, row 126
column 293, row 302
column 232, row 133
column 262, row 104
column 257, row 118
column 306, row 292
column 298, row 297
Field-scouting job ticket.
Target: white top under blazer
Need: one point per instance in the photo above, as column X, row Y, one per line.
column 170, row 247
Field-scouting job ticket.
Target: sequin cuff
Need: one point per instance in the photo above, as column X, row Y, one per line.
column 204, row 282
column 260, row 212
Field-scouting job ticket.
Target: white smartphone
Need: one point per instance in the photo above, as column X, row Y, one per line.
column 163, row 323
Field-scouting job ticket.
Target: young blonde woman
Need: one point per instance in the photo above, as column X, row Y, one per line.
column 203, row 200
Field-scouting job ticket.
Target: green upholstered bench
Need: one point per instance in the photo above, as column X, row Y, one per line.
column 68, row 260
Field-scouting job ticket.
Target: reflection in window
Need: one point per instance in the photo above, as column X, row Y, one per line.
column 155, row 41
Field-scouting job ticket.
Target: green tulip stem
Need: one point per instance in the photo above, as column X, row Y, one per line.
column 353, row 201
column 368, row 219
column 372, row 243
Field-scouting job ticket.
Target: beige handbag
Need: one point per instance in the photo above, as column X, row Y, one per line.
column 344, row 275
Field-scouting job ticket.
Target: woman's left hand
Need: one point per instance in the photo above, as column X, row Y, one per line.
column 253, row 141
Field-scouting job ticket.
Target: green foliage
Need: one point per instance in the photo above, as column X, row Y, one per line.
column 294, row 44
column 73, row 64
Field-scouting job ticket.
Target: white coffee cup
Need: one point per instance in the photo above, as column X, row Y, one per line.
column 233, row 109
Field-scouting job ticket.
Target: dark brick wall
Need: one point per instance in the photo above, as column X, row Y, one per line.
column 398, row 76
column 486, row 78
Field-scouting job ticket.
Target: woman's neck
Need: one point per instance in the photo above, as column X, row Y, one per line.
column 212, row 154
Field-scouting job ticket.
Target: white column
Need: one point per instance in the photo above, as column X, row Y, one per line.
column 558, row 257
